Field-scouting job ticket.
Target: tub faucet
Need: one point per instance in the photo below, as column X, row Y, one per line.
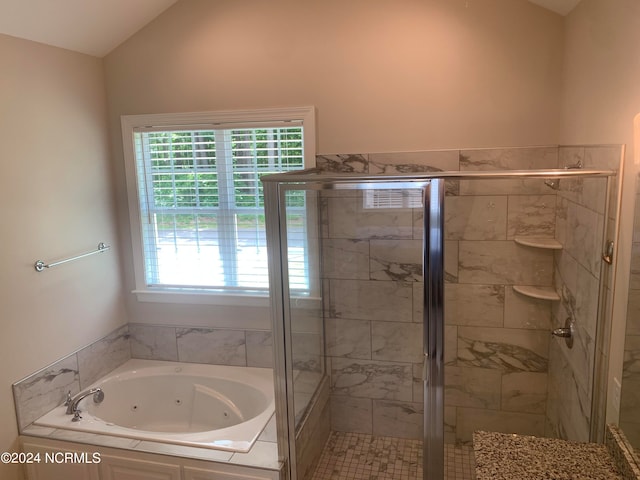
column 72, row 403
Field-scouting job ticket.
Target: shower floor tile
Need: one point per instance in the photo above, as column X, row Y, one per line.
column 357, row 456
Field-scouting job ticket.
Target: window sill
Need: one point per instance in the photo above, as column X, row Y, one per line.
column 201, row 298
column 223, row 299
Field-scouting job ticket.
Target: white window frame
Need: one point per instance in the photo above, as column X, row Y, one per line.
column 217, row 120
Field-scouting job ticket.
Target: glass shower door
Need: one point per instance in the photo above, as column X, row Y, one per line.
column 366, row 259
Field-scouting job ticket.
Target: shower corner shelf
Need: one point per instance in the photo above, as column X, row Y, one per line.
column 546, row 243
column 541, row 293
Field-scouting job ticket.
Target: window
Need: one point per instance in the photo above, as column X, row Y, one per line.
column 199, row 212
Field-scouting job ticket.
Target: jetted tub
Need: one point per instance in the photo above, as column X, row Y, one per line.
column 210, row 406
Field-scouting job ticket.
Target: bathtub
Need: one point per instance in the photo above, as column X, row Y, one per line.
column 209, row 406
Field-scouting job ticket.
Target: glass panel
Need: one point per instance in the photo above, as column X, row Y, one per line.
column 368, row 262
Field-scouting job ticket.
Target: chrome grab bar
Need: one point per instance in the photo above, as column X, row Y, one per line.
column 40, row 265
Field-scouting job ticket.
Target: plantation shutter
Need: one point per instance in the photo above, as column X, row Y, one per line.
column 202, row 204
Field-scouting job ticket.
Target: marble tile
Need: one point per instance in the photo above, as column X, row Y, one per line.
column 183, row 451
column 633, row 313
column 348, row 217
column 347, row 163
column 374, row 300
column 450, row 260
column 371, row 379
column 399, row 260
column 631, row 366
column 450, row 344
column 499, row 262
column 507, row 159
column 474, row 305
column 602, row 156
column 103, row 356
column 584, row 237
column 345, row 258
column 634, row 280
column 586, row 295
column 412, row 162
column 505, row 349
column 351, row 414
column 524, row 392
column 450, row 423
column 396, row 342
column 262, row 455
column 153, row 342
column 526, row 312
column 46, row 389
column 306, row 381
column 566, row 273
column 531, row 216
column 472, row 387
column 570, row 155
column 527, row 158
column 580, row 357
column 630, row 400
column 397, row 419
column 95, row 439
column 570, row 404
column 259, row 348
column 270, row 431
column 348, row 338
column 306, row 351
column 476, row 217
column 417, row 162
column 562, row 215
column 311, row 438
column 472, row 419
column 212, row 346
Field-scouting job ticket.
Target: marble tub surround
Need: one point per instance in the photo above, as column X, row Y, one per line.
column 497, row 342
column 45, row 389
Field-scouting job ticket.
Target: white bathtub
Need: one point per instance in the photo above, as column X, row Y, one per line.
column 210, row 406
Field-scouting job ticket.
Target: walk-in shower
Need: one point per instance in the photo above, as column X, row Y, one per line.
column 414, row 296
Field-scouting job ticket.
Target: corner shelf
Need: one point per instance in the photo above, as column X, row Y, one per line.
column 540, row 293
column 544, row 243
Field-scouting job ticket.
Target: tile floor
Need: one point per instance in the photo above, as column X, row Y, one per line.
column 357, row 456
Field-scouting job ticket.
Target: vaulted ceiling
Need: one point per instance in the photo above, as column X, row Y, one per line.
column 96, row 27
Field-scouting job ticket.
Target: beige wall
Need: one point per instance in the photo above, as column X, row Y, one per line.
column 55, row 200
column 384, row 76
column 600, row 99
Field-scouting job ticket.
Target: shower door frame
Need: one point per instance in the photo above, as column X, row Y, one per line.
column 275, row 188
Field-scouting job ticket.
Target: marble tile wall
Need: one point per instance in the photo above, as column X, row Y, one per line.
column 245, row 348
column 497, row 341
column 579, row 227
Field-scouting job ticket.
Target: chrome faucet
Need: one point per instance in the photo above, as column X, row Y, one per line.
column 72, row 403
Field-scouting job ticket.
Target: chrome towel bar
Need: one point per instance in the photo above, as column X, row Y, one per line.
column 40, row 265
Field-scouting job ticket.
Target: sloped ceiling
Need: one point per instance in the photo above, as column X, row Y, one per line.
column 96, row 27
column 562, row 7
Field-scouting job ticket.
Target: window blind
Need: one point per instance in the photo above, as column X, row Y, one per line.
column 202, row 205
